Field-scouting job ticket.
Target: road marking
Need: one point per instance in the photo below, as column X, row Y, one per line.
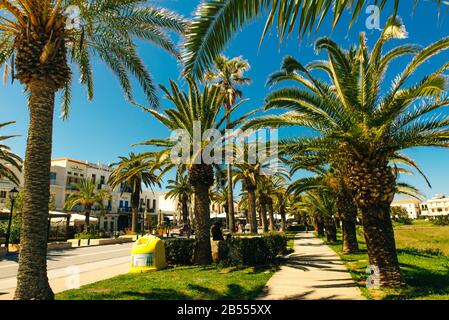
column 73, row 256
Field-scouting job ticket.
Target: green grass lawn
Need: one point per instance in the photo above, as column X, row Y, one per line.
column 424, row 259
column 177, row 283
column 290, row 240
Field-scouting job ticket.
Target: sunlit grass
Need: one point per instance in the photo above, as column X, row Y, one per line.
column 422, row 253
column 196, row 283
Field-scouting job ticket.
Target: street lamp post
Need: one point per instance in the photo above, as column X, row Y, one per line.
column 143, row 208
column 12, row 196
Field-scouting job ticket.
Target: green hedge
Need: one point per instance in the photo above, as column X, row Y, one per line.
column 249, row 251
column 256, row 250
column 298, row 228
column 179, row 251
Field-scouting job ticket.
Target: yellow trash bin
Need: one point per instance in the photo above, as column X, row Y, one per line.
column 147, row 254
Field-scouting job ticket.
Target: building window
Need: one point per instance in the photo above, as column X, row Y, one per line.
column 2, row 194
column 121, row 204
column 102, row 179
column 94, row 177
column 154, row 204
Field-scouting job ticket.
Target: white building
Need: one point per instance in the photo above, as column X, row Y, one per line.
column 412, row 206
column 117, row 213
column 436, row 206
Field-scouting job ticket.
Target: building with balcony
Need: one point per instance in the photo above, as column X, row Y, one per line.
column 116, row 214
column 436, row 206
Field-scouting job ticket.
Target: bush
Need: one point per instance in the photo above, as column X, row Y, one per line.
column 85, row 235
column 400, row 215
column 256, row 250
column 441, row 221
column 179, row 251
column 297, row 228
column 14, row 238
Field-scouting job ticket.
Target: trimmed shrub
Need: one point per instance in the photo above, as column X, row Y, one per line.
column 297, row 228
column 441, row 221
column 255, row 250
column 179, row 251
column 14, row 238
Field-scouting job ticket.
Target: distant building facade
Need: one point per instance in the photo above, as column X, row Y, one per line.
column 412, row 206
column 116, row 214
column 436, row 206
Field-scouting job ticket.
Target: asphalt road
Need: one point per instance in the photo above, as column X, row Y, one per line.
column 90, row 261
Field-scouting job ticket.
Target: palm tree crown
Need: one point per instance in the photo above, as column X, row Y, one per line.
column 40, row 37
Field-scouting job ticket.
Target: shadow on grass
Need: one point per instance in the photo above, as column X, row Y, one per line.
column 233, row 292
column 421, row 282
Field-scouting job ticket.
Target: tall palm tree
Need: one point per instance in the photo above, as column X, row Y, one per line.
column 86, row 194
column 9, row 160
column 132, row 172
column 194, row 112
column 322, row 206
column 366, row 126
column 216, row 21
column 181, row 189
column 228, row 74
column 43, row 40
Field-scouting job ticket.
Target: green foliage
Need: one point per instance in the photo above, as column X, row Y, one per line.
column 15, row 229
column 8, row 160
column 89, row 235
column 255, row 250
column 297, row 228
column 400, row 215
column 441, row 221
column 179, row 251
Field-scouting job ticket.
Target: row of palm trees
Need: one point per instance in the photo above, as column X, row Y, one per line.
column 359, row 128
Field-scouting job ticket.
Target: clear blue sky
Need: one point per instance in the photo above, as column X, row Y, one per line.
column 107, row 127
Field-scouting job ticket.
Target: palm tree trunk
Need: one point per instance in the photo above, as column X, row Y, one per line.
column 185, row 210
column 135, row 201
column 330, row 229
column 87, row 219
column 347, row 210
column 202, row 177
column 380, row 242
column 263, row 216
column 271, row 214
column 283, row 220
column 231, row 213
column 32, row 280
column 319, row 227
column 373, row 184
column 252, row 208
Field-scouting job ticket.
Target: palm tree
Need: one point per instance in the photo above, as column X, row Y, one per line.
column 181, row 190
column 229, row 73
column 87, row 195
column 8, row 159
column 130, row 173
column 194, row 112
column 365, row 126
column 216, row 21
column 322, row 206
column 248, row 174
column 43, row 39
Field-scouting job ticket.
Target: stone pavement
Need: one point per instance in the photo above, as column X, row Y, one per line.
column 312, row 272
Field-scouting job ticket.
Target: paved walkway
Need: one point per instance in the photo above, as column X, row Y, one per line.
column 314, row 271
